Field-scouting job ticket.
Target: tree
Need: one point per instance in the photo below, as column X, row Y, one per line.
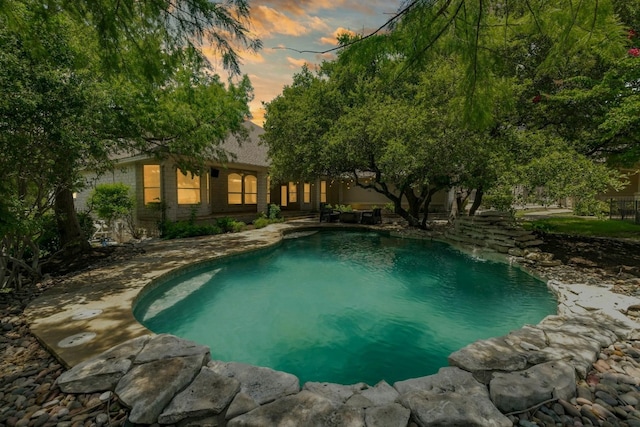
column 70, row 107
column 448, row 99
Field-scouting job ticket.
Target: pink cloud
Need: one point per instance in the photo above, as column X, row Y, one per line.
column 296, row 63
column 301, row 7
column 266, row 21
column 333, row 39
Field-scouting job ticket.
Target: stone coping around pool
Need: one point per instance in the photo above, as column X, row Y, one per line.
column 92, row 312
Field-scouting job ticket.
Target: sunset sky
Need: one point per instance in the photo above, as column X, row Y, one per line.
column 302, row 25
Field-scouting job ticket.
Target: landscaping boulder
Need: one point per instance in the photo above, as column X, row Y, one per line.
column 149, row 387
column 263, row 385
column 296, row 410
column 517, row 391
column 102, row 372
column 450, row 398
column 208, row 394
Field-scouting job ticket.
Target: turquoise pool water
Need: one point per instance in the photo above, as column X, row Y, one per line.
column 346, row 307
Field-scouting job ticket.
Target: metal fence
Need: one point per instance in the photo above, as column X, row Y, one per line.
column 624, row 208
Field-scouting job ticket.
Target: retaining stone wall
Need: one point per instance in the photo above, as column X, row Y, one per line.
column 494, row 230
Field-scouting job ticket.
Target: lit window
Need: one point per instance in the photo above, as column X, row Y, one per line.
column 250, row 190
column 208, row 186
column 268, row 189
column 188, row 188
column 307, row 192
column 234, row 189
column 293, row 192
column 323, row 191
column 151, row 183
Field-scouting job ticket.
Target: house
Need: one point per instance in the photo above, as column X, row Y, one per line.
column 238, row 188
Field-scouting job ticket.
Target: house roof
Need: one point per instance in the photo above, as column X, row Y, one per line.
column 249, row 151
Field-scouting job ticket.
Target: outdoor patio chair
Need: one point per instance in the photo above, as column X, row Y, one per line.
column 372, row 217
column 328, row 214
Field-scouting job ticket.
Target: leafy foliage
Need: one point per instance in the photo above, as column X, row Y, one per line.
column 481, row 95
column 84, row 80
column 182, row 229
column 112, row 201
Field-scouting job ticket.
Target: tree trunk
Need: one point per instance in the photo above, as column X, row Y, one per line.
column 477, row 201
column 461, row 200
column 72, row 240
column 427, row 202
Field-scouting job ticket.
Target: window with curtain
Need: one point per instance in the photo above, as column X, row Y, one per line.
column 323, row 191
column 250, row 190
column 151, row 183
column 268, row 189
column 306, row 192
column 234, row 189
column 188, row 188
column 293, row 192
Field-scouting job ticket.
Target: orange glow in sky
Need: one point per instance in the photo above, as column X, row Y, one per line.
column 285, row 26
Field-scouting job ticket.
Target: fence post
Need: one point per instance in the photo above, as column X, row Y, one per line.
column 611, row 208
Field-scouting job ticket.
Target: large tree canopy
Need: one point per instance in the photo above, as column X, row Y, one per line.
column 452, row 96
column 72, row 101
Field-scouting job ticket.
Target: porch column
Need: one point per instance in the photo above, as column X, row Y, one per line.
column 262, row 191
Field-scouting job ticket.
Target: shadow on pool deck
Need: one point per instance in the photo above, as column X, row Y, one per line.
column 113, row 290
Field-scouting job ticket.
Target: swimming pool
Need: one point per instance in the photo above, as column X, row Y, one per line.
column 345, row 307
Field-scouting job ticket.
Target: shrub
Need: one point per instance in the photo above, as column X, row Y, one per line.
column 591, row 207
column 111, row 201
column 237, row 226
column 114, row 202
column 230, row 225
column 273, row 212
column 180, row 229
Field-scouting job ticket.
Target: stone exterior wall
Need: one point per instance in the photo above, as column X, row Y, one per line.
column 493, row 230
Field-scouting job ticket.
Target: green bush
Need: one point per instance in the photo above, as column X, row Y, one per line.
column 263, row 221
column 230, row 225
column 591, row 207
column 238, row 226
column 273, row 212
column 112, row 201
column 180, row 229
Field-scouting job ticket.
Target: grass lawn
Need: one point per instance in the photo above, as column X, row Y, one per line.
column 586, row 227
